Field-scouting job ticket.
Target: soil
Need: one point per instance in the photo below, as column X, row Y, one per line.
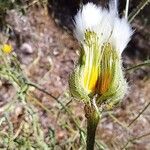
column 48, row 54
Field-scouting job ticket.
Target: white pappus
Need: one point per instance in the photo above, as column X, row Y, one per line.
column 105, row 23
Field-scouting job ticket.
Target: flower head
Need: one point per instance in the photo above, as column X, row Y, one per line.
column 7, row 48
column 103, row 37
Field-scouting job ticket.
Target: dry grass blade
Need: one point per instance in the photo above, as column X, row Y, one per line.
column 138, row 9
column 139, row 114
column 132, row 140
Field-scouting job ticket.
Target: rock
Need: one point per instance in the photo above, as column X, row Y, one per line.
column 26, row 48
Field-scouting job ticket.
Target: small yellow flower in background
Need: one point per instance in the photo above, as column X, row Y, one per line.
column 7, row 48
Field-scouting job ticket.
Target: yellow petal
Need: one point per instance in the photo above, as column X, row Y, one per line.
column 7, row 48
column 90, row 79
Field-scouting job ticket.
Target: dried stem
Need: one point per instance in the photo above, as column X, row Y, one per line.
column 69, row 112
column 138, row 9
column 146, row 63
column 134, row 139
column 117, row 121
column 139, row 114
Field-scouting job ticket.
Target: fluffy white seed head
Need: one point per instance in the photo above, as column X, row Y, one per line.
column 121, row 34
column 105, row 23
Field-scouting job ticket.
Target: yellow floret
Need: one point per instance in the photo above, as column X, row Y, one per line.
column 90, row 79
column 7, row 48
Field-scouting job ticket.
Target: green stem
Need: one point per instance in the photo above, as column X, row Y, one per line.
column 146, row 63
column 92, row 122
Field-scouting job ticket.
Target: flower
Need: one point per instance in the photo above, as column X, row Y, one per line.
column 103, row 37
column 7, row 48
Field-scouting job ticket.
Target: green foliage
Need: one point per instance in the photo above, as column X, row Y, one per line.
column 6, row 5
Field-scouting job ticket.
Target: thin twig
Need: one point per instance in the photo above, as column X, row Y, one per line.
column 138, row 9
column 134, row 139
column 69, row 112
column 38, row 102
column 146, row 63
column 116, row 120
column 42, row 90
column 139, row 115
column 55, row 98
column 139, row 137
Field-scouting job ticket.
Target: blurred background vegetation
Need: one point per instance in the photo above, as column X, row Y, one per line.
column 42, row 115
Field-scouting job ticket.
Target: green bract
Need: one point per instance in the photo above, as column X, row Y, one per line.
column 98, row 72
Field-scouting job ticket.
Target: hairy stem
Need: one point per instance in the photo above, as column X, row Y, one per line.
column 92, row 122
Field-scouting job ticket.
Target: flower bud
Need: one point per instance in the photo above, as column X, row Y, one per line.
column 98, row 72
